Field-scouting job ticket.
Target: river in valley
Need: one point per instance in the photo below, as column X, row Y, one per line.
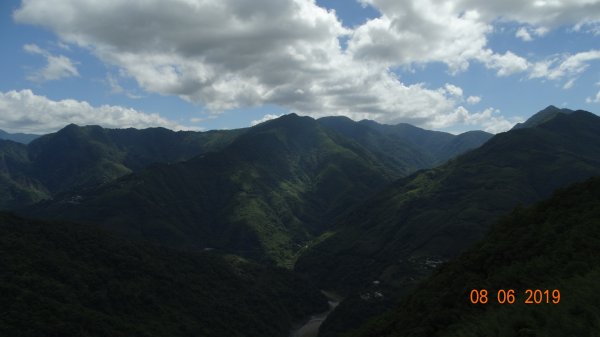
column 311, row 327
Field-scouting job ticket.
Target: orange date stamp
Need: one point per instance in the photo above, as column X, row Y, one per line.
column 510, row 296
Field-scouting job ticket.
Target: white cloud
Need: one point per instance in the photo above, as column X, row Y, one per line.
column 571, row 64
column 593, row 100
column 265, row 118
column 420, row 32
column 455, row 31
column 523, row 34
column 34, row 49
column 569, row 83
column 489, row 119
column 56, row 67
column 230, row 54
column 538, row 13
column 564, row 66
column 473, row 99
column 541, row 31
column 453, row 90
column 24, row 111
column 506, row 64
column 225, row 54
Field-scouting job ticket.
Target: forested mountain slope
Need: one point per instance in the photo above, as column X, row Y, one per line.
column 83, row 157
column 550, row 246
column 64, row 279
column 399, row 236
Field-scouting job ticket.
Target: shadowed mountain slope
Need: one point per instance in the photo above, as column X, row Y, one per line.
column 81, row 157
column 264, row 194
column 553, row 245
column 436, row 213
column 542, row 116
column 63, row 279
column 401, row 235
column 405, row 145
column 17, row 185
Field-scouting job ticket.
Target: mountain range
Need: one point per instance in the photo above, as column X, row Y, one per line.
column 399, row 236
column 264, row 194
column 383, row 215
column 80, row 157
column 552, row 245
column 24, row 138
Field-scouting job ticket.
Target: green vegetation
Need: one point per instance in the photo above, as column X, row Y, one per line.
column 399, row 236
column 81, row 157
column 62, row 279
column 321, row 195
column 17, row 187
column 553, row 245
column 264, row 195
column 403, row 146
column 542, row 117
column 76, row 158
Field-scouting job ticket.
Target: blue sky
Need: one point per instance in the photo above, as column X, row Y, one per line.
column 451, row 65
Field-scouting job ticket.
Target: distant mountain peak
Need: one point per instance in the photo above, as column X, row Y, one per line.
column 542, row 116
column 550, row 108
column 336, row 118
column 290, row 120
column 23, row 138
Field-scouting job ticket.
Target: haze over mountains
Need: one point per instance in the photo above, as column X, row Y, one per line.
column 18, row 137
column 364, row 209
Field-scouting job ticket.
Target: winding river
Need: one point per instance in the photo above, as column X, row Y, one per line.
column 311, row 327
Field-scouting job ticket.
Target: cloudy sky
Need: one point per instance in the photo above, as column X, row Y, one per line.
column 451, row 65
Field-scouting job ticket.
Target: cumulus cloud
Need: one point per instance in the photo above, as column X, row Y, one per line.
column 454, row 90
column 419, row 32
column 265, row 118
column 455, row 31
column 225, row 54
column 24, row 111
column 473, row 99
column 542, row 14
column 56, row 67
column 523, row 34
column 506, row 64
column 489, row 120
column 231, row 54
column 228, row 54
